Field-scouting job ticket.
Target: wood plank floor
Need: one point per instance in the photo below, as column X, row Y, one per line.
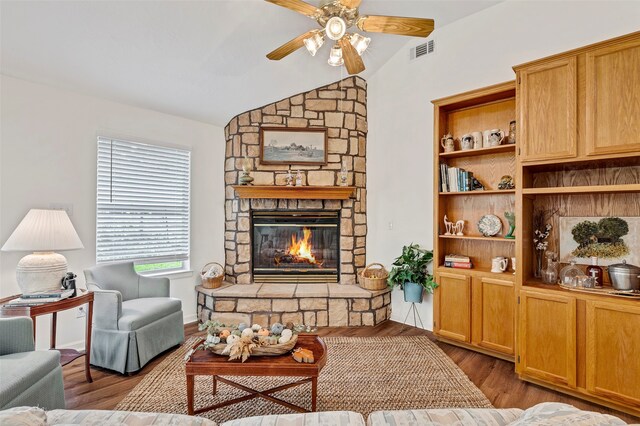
column 496, row 378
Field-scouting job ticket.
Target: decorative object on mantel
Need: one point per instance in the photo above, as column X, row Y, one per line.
column 336, row 17
column 289, row 178
column 489, row 225
column 374, row 277
column 293, row 145
column 541, row 231
column 511, row 219
column 42, row 232
column 344, row 174
column 241, row 341
column 245, row 179
column 299, row 178
column 212, row 275
column 506, row 182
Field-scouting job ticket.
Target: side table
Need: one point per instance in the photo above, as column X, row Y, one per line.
column 66, row 355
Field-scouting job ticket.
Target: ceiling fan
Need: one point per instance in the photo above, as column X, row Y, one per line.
column 335, row 18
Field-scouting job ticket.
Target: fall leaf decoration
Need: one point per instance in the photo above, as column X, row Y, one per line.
column 240, row 349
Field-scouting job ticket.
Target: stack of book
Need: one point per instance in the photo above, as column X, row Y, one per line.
column 36, row 299
column 455, row 179
column 457, row 261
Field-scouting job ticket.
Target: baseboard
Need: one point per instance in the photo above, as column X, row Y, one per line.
column 188, row 319
column 77, row 345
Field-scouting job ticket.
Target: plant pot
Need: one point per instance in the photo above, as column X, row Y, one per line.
column 412, row 292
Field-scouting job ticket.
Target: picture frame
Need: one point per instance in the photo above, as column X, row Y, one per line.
column 306, row 146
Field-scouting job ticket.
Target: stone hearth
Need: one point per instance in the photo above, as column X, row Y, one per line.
column 319, row 305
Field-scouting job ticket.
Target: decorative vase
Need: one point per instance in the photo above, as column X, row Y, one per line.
column 412, row 292
column 511, row 218
column 538, row 271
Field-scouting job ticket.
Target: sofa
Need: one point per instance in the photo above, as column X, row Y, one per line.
column 134, row 319
column 27, row 376
column 548, row 413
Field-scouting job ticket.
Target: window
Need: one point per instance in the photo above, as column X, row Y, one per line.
column 143, row 205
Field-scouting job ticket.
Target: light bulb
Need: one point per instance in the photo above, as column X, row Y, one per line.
column 335, row 57
column 360, row 43
column 314, row 43
column 335, row 28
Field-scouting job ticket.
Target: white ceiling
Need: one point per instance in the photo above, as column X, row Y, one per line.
column 203, row 60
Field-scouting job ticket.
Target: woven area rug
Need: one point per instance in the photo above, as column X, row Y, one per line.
column 362, row 374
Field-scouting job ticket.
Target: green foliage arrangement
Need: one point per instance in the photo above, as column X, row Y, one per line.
column 411, row 267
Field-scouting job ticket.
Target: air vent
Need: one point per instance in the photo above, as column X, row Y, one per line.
column 423, row 49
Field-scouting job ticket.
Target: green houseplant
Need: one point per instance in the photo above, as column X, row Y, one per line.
column 410, row 273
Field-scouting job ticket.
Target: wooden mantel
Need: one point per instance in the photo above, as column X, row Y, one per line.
column 295, row 192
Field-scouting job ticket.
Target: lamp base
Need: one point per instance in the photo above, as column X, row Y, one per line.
column 41, row 271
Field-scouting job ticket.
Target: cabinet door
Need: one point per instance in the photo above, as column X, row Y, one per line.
column 494, row 314
column 548, row 111
column 613, row 99
column 453, row 306
column 548, row 337
column 613, row 348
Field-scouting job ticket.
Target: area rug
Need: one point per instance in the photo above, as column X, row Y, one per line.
column 362, row 374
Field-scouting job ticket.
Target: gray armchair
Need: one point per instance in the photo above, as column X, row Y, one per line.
column 134, row 319
column 27, row 376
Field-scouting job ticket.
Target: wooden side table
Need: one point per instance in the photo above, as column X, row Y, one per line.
column 66, row 355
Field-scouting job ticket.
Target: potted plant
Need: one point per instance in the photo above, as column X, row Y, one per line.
column 410, row 273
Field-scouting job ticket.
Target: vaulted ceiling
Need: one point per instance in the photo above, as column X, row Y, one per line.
column 203, row 60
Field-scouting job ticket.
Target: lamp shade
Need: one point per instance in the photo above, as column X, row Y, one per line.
column 43, row 231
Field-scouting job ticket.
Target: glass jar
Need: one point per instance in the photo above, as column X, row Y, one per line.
column 550, row 273
column 568, row 273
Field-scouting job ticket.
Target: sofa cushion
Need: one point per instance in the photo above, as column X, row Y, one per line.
column 20, row 371
column 137, row 313
column 112, row 418
column 555, row 413
column 445, row 416
column 303, row 419
column 23, row 416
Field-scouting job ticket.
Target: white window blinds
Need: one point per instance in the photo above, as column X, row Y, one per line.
column 142, row 202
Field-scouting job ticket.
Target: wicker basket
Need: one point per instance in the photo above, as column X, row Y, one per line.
column 271, row 350
column 374, row 278
column 211, row 282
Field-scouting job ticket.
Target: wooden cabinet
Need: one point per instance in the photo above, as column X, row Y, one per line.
column 548, row 100
column 547, row 339
column 613, row 351
column 612, row 104
column 580, row 105
column 453, row 306
column 493, row 316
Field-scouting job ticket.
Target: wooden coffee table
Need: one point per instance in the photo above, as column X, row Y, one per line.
column 206, row 363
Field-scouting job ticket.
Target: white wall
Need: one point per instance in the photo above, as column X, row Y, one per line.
column 48, row 155
column 471, row 53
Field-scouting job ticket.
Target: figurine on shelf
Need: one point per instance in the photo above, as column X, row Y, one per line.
column 289, row 178
column 476, row 185
column 298, row 178
column 459, row 227
column 448, row 143
column 448, row 226
column 511, row 138
column 506, row 182
column 245, row 179
column 511, row 218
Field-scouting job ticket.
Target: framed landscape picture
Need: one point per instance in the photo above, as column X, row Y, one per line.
column 293, row 145
column 611, row 239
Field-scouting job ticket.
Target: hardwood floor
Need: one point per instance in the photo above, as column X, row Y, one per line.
column 493, row 376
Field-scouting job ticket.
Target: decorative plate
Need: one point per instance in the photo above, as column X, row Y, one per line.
column 489, row 225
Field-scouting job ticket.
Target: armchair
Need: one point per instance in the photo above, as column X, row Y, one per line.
column 27, row 376
column 134, row 319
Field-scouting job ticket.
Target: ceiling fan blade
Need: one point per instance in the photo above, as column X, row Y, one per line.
column 415, row 27
column 298, row 6
column 350, row 4
column 289, row 47
column 352, row 61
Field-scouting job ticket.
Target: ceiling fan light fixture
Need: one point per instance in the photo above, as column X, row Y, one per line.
column 314, row 43
column 335, row 28
column 359, row 42
column 335, row 57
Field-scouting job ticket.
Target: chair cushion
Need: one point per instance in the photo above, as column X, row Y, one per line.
column 556, row 413
column 20, row 371
column 333, row 418
column 129, row 418
column 445, row 416
column 137, row 313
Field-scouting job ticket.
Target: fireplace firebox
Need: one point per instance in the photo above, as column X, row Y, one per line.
column 295, row 246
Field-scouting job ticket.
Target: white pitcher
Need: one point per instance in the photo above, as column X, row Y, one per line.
column 499, row 264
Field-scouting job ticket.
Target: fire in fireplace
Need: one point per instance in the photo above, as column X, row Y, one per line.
column 295, row 246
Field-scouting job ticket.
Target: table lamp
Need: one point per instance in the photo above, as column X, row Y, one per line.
column 42, row 232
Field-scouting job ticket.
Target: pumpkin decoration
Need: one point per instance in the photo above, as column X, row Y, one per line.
column 256, row 327
column 285, row 336
column 277, row 328
column 224, row 333
column 263, row 332
column 247, row 332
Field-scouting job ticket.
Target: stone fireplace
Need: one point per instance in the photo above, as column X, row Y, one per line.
column 296, row 258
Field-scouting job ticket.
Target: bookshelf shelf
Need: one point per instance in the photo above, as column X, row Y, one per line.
column 476, row 152
column 486, row 192
column 479, row 238
column 582, row 189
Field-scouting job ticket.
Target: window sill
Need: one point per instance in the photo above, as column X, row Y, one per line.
column 169, row 274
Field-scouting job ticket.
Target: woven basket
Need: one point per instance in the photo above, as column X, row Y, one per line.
column 272, row 350
column 211, row 282
column 374, row 278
